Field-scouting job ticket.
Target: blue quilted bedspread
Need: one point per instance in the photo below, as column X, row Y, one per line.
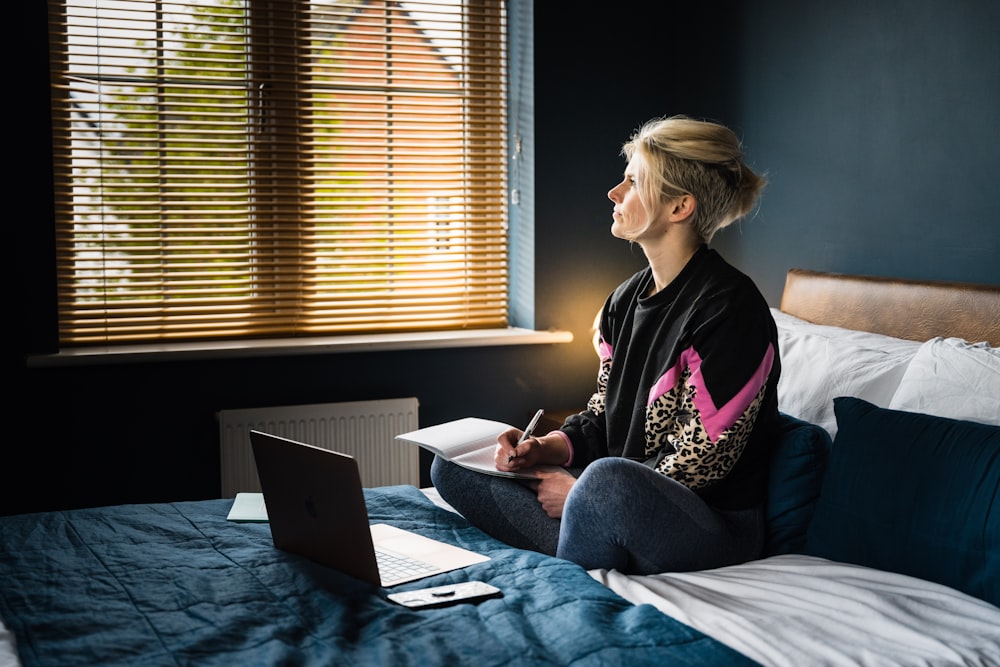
column 177, row 584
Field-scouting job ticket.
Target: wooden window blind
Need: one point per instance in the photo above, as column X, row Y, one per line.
column 242, row 169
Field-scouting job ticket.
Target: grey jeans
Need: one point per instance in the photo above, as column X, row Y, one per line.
column 619, row 515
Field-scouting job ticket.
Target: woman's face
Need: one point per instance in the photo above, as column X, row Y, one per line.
column 629, row 216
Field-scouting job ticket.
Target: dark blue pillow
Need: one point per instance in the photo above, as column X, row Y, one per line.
column 914, row 494
column 798, row 460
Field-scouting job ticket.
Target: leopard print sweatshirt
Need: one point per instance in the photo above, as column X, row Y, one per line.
column 687, row 382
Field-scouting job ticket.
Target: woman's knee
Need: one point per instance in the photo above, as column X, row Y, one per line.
column 443, row 472
column 602, row 487
column 446, row 478
column 436, row 470
column 610, row 474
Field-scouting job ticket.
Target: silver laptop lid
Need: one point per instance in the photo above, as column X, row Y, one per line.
column 315, row 504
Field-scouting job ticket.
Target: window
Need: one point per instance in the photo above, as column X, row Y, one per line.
column 246, row 169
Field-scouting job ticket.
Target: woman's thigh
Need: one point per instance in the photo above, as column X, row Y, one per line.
column 623, row 515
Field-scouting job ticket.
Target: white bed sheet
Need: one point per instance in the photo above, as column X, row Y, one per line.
column 795, row 611
column 799, row 611
column 803, row 611
column 8, row 648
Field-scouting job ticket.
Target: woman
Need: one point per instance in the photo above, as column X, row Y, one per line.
column 666, row 469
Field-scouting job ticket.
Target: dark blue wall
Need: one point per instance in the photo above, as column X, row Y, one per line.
column 879, row 125
column 876, row 123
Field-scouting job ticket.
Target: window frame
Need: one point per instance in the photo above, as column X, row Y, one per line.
column 517, row 228
column 522, row 258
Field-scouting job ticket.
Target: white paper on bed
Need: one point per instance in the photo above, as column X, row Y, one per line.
column 793, row 610
column 820, row 363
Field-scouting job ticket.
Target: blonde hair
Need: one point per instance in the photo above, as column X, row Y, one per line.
column 680, row 156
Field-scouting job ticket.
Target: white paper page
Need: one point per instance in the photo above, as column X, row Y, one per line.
column 248, row 507
column 458, row 437
column 483, row 461
column 469, row 442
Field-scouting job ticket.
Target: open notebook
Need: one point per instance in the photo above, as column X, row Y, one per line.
column 316, row 507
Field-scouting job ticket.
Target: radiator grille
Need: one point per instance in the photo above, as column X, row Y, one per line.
column 364, row 429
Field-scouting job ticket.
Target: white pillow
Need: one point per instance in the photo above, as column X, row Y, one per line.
column 820, row 363
column 950, row 377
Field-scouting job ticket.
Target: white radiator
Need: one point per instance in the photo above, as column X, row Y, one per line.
column 364, row 429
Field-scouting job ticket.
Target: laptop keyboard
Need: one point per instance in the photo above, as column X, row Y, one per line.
column 393, row 566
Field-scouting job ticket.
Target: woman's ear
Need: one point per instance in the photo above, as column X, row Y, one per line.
column 682, row 207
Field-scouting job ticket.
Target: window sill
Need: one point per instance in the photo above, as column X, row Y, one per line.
column 299, row 346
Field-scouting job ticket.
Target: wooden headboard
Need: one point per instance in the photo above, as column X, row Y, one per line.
column 911, row 309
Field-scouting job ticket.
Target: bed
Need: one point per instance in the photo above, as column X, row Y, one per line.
column 871, row 564
column 176, row 584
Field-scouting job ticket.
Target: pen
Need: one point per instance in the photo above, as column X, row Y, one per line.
column 527, row 432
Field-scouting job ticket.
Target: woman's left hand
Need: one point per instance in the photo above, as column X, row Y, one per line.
column 552, row 489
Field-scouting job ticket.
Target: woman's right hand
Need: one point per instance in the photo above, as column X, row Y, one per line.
column 510, row 456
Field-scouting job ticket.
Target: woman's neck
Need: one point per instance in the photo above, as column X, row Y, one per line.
column 667, row 260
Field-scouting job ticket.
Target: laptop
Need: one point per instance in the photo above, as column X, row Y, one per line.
column 316, row 508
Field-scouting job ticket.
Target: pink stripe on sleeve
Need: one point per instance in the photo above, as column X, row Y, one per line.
column 719, row 418
column 716, row 419
column 569, row 444
column 666, row 382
